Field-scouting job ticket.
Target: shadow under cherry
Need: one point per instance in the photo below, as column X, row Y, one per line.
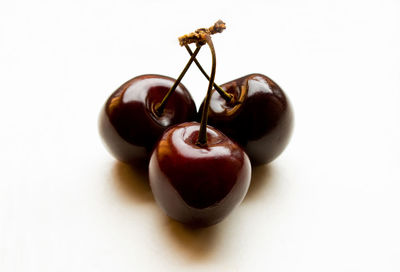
column 193, row 244
column 261, row 178
column 132, row 182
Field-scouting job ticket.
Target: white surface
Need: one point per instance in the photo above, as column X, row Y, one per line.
column 329, row 203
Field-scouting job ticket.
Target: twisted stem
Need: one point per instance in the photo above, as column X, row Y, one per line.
column 228, row 97
column 159, row 108
column 202, row 139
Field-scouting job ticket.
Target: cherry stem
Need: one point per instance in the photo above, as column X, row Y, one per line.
column 159, row 108
column 228, row 97
column 202, row 139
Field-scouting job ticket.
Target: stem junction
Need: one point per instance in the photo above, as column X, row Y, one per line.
column 200, row 37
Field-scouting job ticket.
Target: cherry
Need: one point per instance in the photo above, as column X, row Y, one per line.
column 197, row 174
column 130, row 123
column 198, row 185
column 259, row 116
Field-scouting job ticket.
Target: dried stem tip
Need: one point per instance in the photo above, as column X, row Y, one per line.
column 218, row 27
column 199, row 36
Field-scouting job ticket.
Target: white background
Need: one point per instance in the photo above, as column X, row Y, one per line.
column 331, row 202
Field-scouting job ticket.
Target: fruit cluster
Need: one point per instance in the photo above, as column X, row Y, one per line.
column 198, row 173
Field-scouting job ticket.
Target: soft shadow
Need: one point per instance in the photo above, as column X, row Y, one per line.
column 132, row 181
column 261, row 178
column 195, row 244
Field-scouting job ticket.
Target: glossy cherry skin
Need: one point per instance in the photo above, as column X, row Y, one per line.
column 260, row 118
column 198, row 186
column 128, row 124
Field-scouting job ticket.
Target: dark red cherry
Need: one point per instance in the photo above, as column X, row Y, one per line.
column 128, row 123
column 197, row 185
column 259, row 118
